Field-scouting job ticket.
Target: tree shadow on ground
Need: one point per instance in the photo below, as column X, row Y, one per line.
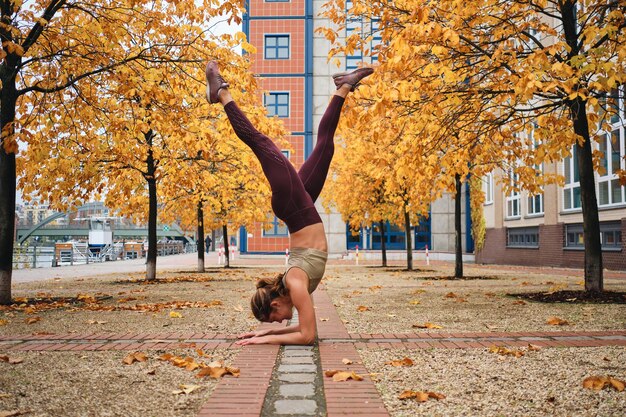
column 574, row 297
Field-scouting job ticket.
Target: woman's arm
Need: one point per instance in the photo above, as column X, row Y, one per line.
column 258, row 333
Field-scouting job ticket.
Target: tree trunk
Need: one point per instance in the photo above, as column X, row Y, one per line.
column 383, row 243
column 594, row 281
column 409, row 241
column 226, row 251
column 152, row 212
column 200, row 237
column 591, row 221
column 458, row 241
column 8, row 98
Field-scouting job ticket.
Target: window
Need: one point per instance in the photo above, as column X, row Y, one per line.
column 277, row 104
column 610, row 236
column 277, row 228
column 488, row 188
column 571, row 189
column 612, row 159
column 535, row 202
column 276, row 46
column 513, row 198
column 527, row 237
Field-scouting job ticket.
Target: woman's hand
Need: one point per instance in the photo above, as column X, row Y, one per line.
column 258, row 340
column 257, row 333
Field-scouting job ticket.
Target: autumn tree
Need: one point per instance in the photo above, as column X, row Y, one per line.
column 546, row 66
column 56, row 57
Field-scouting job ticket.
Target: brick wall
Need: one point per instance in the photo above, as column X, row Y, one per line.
column 549, row 253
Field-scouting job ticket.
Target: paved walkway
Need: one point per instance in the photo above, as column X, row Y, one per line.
column 288, row 381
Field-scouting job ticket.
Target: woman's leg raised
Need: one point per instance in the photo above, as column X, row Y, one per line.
column 315, row 169
column 290, row 201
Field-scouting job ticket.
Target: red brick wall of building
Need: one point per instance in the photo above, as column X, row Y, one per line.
column 551, row 250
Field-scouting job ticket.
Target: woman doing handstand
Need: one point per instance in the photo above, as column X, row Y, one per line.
column 293, row 195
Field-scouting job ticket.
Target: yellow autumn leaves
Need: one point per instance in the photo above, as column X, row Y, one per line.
column 214, row 369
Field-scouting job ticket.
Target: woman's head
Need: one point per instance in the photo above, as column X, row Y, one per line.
column 271, row 301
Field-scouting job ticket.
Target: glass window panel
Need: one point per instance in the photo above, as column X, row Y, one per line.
column 609, row 238
column 616, row 152
column 603, row 188
column 576, row 196
column 270, row 41
column 567, row 169
column 616, row 192
column 282, row 99
column 604, row 161
column 567, row 199
column 575, row 160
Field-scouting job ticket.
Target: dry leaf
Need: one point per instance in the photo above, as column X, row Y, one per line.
column 186, row 389
column 519, row 302
column 346, row 361
column 427, row 326
column 151, row 372
column 362, row 308
column 340, row 376
column 175, row 315
column 501, row 350
column 165, row 357
column 96, row 322
column 12, row 413
column 32, row 320
column 417, row 292
column 375, row 287
column 400, row 362
column 218, row 372
column 420, row 396
column 451, row 295
column 3, row 322
column 323, row 319
column 555, row 321
column 414, row 302
column 533, row 348
column 134, row 357
column 12, row 361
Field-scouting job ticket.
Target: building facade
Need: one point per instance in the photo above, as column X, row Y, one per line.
column 546, row 229
column 292, row 62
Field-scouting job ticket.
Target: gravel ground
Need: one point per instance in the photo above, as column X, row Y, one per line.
column 230, row 288
column 398, row 299
column 99, row 384
column 477, row 382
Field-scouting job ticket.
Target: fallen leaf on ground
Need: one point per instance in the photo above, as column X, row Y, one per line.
column 362, row 308
column 12, row 361
column 555, row 321
column 340, row 376
column 451, row 295
column 490, row 294
column 519, row 302
column 417, row 292
column 501, row 350
column 32, row 320
column 323, row 319
column 533, row 348
column 186, row 389
column 600, row 382
column 12, row 413
column 346, row 361
column 218, row 372
column 151, row 372
column 401, row 362
column 175, row 315
column 414, row 302
column 420, row 396
column 3, row 322
column 427, row 326
column 375, row 287
column 96, row 322
column 135, row 357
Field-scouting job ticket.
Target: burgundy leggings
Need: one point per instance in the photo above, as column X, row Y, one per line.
column 293, row 193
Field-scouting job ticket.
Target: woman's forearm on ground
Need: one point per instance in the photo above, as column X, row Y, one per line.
column 294, row 338
column 285, row 330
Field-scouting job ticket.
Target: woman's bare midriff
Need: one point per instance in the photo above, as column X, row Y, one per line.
column 312, row 236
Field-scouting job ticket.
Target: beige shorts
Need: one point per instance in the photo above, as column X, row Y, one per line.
column 311, row 261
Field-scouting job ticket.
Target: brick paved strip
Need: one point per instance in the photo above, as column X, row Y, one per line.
column 243, row 396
